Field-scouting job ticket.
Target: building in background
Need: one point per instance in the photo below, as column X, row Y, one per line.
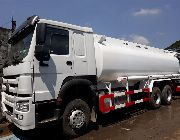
column 4, row 46
column 4, row 49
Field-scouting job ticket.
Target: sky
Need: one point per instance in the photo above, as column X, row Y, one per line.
column 151, row 22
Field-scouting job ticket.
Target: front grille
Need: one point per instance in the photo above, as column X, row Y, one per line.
column 11, row 77
column 10, row 84
column 13, row 85
column 23, row 95
column 11, row 93
column 8, row 91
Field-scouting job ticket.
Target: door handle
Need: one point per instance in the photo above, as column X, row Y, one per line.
column 69, row 63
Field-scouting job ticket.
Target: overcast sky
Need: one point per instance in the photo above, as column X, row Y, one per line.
column 151, row 22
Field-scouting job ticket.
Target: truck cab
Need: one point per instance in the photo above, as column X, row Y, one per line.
column 51, row 64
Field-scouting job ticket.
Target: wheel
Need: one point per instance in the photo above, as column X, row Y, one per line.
column 167, row 95
column 155, row 101
column 76, row 118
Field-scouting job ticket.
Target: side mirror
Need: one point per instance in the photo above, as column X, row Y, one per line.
column 40, row 33
column 41, row 51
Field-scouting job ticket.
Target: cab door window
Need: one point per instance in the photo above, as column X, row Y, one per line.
column 58, row 40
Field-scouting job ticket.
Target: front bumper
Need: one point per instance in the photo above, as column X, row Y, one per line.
column 23, row 120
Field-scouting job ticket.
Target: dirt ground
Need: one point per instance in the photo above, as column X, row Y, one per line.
column 136, row 123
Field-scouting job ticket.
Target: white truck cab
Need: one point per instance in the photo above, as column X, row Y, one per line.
column 45, row 55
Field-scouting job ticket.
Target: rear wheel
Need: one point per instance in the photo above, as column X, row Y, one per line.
column 167, row 95
column 76, row 118
column 155, row 101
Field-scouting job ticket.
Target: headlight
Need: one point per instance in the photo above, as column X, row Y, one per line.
column 22, row 106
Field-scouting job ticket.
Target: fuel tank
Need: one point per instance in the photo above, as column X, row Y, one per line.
column 118, row 58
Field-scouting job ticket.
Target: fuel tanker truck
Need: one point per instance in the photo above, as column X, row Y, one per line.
column 66, row 73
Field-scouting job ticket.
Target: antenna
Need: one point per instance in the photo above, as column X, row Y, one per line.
column 13, row 24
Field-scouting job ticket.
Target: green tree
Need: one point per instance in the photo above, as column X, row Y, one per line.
column 175, row 46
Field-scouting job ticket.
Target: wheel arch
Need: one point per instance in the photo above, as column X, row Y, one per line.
column 160, row 83
column 74, row 88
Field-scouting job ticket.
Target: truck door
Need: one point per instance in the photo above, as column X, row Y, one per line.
column 49, row 77
column 80, row 59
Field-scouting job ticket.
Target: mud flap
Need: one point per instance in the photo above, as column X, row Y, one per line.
column 93, row 115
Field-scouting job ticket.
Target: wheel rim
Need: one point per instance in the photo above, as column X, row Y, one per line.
column 169, row 95
column 77, row 119
column 157, row 98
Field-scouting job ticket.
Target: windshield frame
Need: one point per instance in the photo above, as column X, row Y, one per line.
column 26, row 27
column 20, row 47
column 31, row 21
column 10, row 61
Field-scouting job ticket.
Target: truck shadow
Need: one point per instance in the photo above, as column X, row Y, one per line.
column 122, row 114
column 54, row 131
column 47, row 132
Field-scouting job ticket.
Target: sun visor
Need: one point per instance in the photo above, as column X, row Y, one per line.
column 29, row 22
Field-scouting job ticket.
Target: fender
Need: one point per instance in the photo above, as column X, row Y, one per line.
column 152, row 82
column 91, row 78
column 76, row 82
column 79, row 82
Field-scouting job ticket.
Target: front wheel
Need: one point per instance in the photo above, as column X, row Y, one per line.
column 76, row 118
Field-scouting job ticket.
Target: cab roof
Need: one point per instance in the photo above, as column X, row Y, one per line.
column 66, row 25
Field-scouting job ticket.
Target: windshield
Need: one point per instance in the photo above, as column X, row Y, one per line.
column 20, row 48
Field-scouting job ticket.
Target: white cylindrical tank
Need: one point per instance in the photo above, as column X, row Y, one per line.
column 118, row 58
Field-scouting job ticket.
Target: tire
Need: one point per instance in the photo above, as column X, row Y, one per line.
column 155, row 101
column 167, row 95
column 76, row 118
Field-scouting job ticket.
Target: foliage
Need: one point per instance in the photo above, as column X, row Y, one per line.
column 175, row 46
